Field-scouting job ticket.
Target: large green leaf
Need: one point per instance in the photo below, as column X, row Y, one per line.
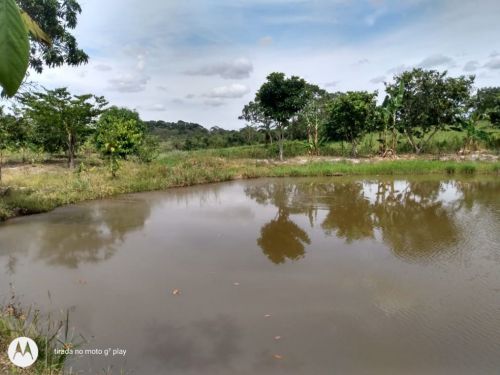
column 14, row 47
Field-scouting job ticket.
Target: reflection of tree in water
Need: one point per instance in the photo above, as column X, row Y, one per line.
column 484, row 193
column 411, row 217
column 349, row 215
column 93, row 235
column 414, row 223
column 281, row 238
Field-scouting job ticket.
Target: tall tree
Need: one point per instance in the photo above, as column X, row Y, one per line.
column 391, row 107
column 281, row 99
column 69, row 119
column 314, row 114
column 431, row 101
column 350, row 116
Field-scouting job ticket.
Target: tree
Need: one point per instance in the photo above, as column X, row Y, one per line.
column 350, row 116
column 393, row 103
column 6, row 122
column 431, row 101
column 67, row 119
column 487, row 104
column 120, row 133
column 47, row 23
column 253, row 113
column 281, row 99
column 314, row 114
column 56, row 18
column 21, row 133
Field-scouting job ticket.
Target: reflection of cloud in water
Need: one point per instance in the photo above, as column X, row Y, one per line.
column 69, row 236
column 196, row 348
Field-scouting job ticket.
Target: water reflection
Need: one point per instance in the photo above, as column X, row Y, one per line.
column 200, row 346
column 71, row 236
column 415, row 223
column 281, row 238
column 417, row 220
column 348, row 212
column 94, row 237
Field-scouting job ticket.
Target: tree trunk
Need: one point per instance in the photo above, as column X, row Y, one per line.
column 1, row 165
column 316, row 141
column 281, row 147
column 309, row 139
column 354, row 151
column 71, row 151
column 412, row 142
column 280, row 142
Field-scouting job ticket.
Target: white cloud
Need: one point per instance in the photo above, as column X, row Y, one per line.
column 228, row 92
column 129, row 83
column 141, row 63
column 399, row 69
column 266, row 41
column 214, row 102
column 237, row 69
column 157, row 107
column 362, row 61
column 103, row 67
column 332, row 84
column 436, row 61
column 493, row 64
column 379, row 79
column 471, row 66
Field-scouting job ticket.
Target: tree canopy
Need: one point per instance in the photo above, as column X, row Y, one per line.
column 351, row 115
column 431, row 100
column 63, row 120
column 281, row 98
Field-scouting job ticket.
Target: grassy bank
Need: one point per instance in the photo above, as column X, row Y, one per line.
column 40, row 188
column 48, row 334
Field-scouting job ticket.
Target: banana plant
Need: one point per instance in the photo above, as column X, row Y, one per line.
column 473, row 134
column 16, row 26
column 392, row 105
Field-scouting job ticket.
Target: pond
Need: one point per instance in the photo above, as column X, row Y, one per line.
column 273, row 276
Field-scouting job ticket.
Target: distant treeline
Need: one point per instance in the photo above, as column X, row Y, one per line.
column 183, row 135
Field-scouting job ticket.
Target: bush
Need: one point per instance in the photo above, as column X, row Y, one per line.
column 149, row 150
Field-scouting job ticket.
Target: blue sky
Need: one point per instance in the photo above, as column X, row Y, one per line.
column 201, row 61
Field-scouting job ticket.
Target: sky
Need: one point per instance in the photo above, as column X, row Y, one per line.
column 202, row 61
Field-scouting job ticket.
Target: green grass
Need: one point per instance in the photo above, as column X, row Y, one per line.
column 48, row 333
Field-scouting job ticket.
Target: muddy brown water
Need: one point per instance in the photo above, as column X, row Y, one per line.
column 276, row 276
